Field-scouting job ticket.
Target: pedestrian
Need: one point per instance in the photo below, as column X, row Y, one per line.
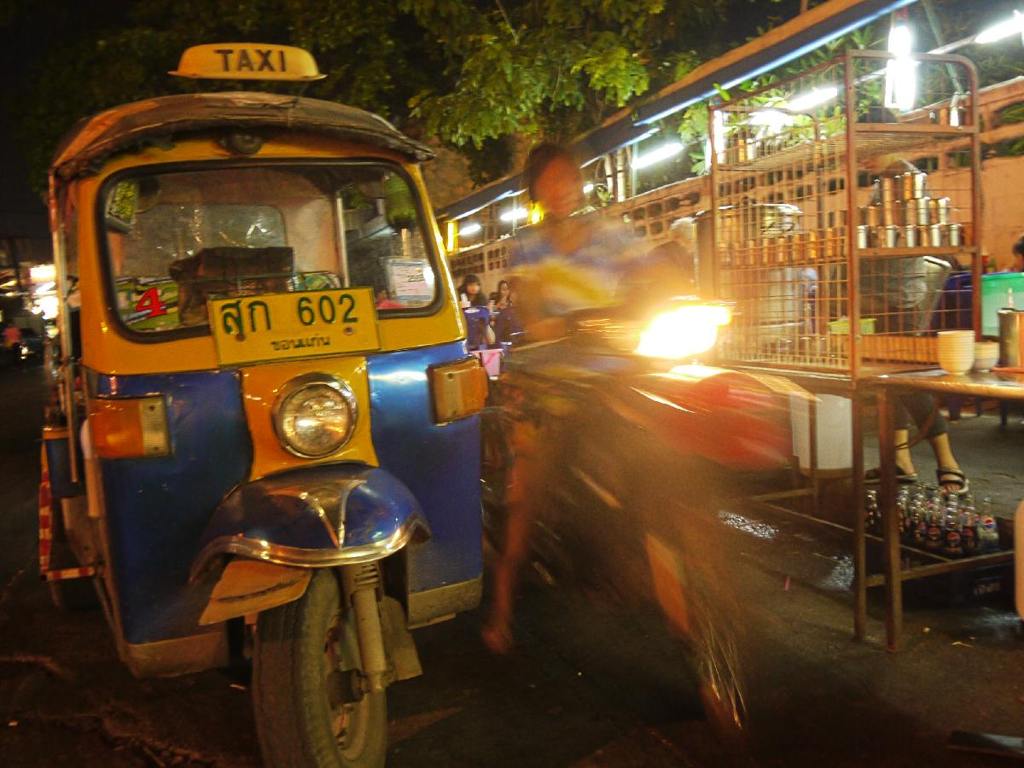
column 1018, row 256
column 471, row 293
column 502, row 298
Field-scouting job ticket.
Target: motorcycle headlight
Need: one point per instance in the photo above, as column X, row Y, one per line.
column 314, row 416
column 683, row 331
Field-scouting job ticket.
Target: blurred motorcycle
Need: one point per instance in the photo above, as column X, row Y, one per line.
column 640, row 443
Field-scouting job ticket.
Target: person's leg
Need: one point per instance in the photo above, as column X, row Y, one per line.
column 924, row 411
column 943, row 450
column 904, row 460
column 523, row 499
column 903, row 420
column 950, row 476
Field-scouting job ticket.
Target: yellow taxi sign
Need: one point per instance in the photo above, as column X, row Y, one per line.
column 247, row 61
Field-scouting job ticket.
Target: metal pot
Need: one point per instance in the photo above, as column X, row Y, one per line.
column 1010, row 324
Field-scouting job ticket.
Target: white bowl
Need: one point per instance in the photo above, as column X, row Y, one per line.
column 956, row 362
column 954, row 371
column 957, row 335
column 961, row 353
column 956, row 340
column 986, row 355
column 956, row 346
column 957, row 368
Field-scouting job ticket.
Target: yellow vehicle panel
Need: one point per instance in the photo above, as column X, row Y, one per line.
column 261, row 386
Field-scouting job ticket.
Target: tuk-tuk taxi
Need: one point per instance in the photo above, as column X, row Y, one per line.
column 267, row 442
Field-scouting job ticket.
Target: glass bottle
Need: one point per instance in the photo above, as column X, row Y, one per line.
column 952, row 540
column 873, row 522
column 968, row 528
column 988, row 531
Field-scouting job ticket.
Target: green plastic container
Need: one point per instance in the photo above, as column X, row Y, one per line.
column 995, row 295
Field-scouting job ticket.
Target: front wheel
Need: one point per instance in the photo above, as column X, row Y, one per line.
column 309, row 713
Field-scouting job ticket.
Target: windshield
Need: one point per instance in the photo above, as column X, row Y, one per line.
column 176, row 239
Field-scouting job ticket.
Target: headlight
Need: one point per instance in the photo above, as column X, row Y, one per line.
column 314, row 416
column 683, row 331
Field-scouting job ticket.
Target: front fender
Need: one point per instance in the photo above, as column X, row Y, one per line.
column 736, row 419
column 314, row 518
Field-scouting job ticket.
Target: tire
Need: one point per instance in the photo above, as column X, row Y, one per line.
column 715, row 639
column 721, row 684
column 297, row 647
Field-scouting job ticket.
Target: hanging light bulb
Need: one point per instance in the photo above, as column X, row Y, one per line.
column 901, row 71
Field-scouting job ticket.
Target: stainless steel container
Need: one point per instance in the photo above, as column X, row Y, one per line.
column 799, row 250
column 890, row 236
column 935, row 235
column 887, row 191
column 920, row 185
column 813, row 246
column 830, row 242
column 941, row 208
column 887, row 215
column 863, row 236
column 923, row 236
column 956, row 235
column 910, row 236
column 892, row 214
column 913, row 185
column 919, row 212
column 1011, row 322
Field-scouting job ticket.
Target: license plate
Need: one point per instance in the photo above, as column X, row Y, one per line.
column 281, row 326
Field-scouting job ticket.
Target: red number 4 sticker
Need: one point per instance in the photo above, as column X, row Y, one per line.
column 150, row 304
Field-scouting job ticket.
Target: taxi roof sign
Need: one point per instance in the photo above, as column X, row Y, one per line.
column 247, row 61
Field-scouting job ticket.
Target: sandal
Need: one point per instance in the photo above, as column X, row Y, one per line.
column 946, row 476
column 874, row 476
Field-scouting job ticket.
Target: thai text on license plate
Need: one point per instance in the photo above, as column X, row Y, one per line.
column 281, row 326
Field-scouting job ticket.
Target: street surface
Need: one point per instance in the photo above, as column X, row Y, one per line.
column 587, row 685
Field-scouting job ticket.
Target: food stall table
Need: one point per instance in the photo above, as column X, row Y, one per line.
column 1002, row 386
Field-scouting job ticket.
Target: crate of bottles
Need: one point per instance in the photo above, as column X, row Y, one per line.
column 946, row 525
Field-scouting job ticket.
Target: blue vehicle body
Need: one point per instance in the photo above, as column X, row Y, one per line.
column 167, row 516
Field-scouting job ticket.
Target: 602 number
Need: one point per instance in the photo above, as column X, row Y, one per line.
column 326, row 310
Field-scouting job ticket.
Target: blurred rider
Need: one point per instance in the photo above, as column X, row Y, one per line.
column 564, row 264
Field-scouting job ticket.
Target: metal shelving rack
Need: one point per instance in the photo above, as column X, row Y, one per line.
column 811, row 206
column 819, row 222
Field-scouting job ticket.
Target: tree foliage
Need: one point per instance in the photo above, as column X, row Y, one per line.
column 471, row 72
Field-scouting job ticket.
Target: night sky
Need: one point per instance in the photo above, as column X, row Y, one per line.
column 27, row 31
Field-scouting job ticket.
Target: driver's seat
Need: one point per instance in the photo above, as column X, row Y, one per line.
column 229, row 271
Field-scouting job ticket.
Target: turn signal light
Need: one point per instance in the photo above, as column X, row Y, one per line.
column 459, row 389
column 129, row 428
